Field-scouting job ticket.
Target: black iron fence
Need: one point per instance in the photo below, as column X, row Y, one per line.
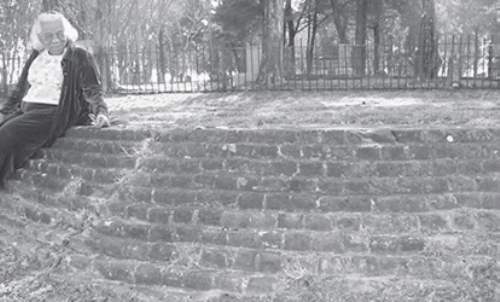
column 450, row 61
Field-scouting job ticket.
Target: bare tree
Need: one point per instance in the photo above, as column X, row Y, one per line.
column 271, row 66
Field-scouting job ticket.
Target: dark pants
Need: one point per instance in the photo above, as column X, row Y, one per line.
column 22, row 136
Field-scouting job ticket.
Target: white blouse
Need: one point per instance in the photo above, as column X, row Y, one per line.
column 46, row 77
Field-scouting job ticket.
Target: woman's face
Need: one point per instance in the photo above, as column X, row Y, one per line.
column 52, row 36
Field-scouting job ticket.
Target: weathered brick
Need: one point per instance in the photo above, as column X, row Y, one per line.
column 331, row 187
column 173, row 278
column 317, row 222
column 225, row 182
column 215, row 258
column 271, row 239
column 229, row 281
column 386, row 244
column 420, row 152
column 251, row 201
column 217, row 197
column 199, row 280
column 218, row 237
column 136, row 231
column 139, row 211
column 210, row 216
column 290, row 221
column 409, row 136
column 328, row 242
column 298, row 185
column 333, row 137
column 115, row 271
column 135, row 250
column 268, row 262
column 188, row 233
column 488, row 221
column 339, row 169
column 245, row 260
column 161, row 233
column 235, row 220
column 277, row 201
column 278, row 168
column 298, row 241
column 148, row 274
column 159, row 215
column 489, row 184
column 174, row 197
column 162, row 252
column 311, row 169
column 432, row 223
column 261, row 284
column 348, row 223
column 368, row 153
column 394, row 153
column 183, row 215
column 211, row 164
column 302, row 202
column 244, row 238
column 355, row 243
column 347, row 204
column 314, row 152
column 463, row 221
column 385, row 223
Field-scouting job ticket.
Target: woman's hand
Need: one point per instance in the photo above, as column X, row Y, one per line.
column 102, row 121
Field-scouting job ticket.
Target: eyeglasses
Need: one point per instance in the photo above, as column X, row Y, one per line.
column 49, row 37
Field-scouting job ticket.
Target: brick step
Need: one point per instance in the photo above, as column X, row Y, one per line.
column 362, row 195
column 326, row 152
column 330, row 136
column 89, row 160
column 63, row 170
column 113, row 134
column 114, row 147
column 255, row 187
column 438, row 221
column 183, row 276
column 307, row 168
column 58, row 183
column 235, row 286
column 449, row 265
column 432, row 177
column 290, row 151
column 404, row 239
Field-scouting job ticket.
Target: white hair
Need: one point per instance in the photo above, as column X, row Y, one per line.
column 69, row 30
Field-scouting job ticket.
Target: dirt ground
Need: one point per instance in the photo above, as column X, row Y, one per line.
column 479, row 108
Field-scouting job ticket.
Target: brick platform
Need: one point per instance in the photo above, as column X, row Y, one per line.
column 275, row 215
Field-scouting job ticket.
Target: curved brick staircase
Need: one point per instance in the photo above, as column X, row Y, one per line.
column 274, row 215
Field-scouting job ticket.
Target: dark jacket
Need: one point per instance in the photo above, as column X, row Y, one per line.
column 81, row 92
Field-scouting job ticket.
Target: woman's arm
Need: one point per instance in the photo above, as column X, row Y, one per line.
column 92, row 89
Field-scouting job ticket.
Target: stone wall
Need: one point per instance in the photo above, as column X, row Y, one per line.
column 277, row 215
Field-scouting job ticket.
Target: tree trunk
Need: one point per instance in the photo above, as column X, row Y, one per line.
column 290, row 46
column 340, row 19
column 378, row 36
column 359, row 51
column 312, row 28
column 161, row 55
column 427, row 60
column 271, row 66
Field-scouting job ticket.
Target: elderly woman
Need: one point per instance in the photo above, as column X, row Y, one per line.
column 59, row 87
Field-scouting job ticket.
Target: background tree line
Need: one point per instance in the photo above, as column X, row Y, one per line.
column 140, row 27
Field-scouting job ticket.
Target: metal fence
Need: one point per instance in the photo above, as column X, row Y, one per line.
column 450, row 61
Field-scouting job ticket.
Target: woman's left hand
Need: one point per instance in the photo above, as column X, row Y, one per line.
column 102, row 121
